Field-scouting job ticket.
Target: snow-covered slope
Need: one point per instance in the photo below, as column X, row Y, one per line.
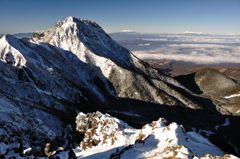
column 90, row 44
column 42, row 88
column 75, row 66
column 107, row 137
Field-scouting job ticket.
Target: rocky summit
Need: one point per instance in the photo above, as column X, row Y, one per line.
column 74, row 68
column 108, row 137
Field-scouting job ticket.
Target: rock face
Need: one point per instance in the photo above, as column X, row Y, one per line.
column 222, row 89
column 115, row 139
column 213, row 82
column 98, row 129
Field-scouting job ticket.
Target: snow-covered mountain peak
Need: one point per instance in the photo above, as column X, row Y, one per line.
column 70, row 19
column 88, row 41
column 92, row 45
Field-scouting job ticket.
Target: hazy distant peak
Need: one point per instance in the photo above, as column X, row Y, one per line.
column 127, row 31
column 191, row 32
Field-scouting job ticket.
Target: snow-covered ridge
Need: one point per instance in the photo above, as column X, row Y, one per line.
column 10, row 54
column 108, row 137
column 13, row 51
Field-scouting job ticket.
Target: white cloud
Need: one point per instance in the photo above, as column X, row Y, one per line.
column 154, row 39
column 145, row 44
column 196, row 53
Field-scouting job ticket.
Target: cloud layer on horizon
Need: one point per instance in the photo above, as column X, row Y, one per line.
column 199, row 49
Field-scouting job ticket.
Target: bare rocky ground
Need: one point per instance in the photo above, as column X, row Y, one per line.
column 218, row 82
column 175, row 68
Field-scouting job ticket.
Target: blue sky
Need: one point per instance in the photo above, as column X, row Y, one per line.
column 150, row 16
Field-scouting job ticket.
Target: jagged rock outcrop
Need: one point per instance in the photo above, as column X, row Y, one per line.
column 155, row 140
column 98, row 129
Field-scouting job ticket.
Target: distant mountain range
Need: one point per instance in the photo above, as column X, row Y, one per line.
column 137, row 41
column 21, row 35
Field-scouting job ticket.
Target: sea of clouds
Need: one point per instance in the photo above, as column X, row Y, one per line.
column 196, row 48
